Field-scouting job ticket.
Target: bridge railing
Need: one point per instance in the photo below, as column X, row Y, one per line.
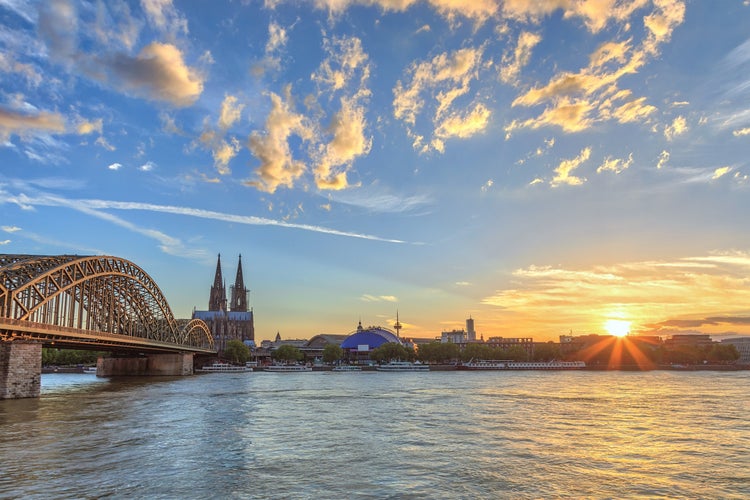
column 11, row 328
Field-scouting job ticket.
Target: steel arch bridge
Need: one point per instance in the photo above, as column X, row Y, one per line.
column 91, row 302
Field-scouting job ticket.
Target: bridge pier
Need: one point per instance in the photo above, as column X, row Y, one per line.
column 151, row 365
column 20, row 369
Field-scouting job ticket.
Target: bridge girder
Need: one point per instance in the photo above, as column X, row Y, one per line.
column 92, row 293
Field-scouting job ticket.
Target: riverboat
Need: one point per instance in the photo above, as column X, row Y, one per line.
column 89, row 369
column 287, row 368
column 402, row 366
column 522, row 365
column 347, row 368
column 223, row 368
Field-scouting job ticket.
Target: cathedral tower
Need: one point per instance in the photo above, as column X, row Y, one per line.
column 217, row 300
column 239, row 292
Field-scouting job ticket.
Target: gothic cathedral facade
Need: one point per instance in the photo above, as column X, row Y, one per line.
column 228, row 321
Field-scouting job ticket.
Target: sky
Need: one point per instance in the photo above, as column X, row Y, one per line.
column 543, row 167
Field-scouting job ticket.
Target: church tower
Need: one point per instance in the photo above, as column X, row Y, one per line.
column 217, row 301
column 239, row 292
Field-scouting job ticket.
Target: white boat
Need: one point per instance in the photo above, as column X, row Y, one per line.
column 223, row 368
column 522, row 365
column 403, row 366
column 89, row 369
column 347, row 368
column 287, row 368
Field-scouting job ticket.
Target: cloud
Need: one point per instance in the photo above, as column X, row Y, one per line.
column 378, row 298
column 94, row 207
column 512, row 63
column 477, row 11
column 563, row 171
column 345, row 73
column 5, row 242
column 277, row 165
column 444, row 79
column 678, row 127
column 58, row 26
column 13, row 123
column 616, row 165
column 230, row 112
column 147, row 167
column 576, row 99
column 9, row 65
column 10, row 229
column 348, row 142
column 741, row 132
column 86, row 127
column 163, row 16
column 158, row 72
column 277, row 40
column 663, row 159
column 373, row 200
column 222, row 149
column 115, row 166
column 101, row 141
column 720, row 172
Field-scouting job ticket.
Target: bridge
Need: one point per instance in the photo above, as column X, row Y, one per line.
column 101, row 303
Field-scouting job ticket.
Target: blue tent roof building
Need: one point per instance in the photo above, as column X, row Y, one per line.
column 372, row 337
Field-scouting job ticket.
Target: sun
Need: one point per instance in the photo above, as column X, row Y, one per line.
column 617, row 327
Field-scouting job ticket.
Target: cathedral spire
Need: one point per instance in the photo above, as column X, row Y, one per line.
column 217, row 301
column 239, row 292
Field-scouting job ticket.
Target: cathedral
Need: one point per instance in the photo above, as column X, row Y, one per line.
column 233, row 322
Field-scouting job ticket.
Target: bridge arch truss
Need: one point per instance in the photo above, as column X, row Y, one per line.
column 92, row 293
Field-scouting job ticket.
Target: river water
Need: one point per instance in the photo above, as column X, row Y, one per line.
column 381, row 435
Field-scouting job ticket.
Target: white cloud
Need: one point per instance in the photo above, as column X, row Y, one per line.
column 115, row 166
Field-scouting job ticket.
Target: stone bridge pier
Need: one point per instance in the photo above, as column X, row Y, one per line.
column 20, row 369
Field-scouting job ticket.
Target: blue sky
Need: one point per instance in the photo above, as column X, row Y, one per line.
column 543, row 167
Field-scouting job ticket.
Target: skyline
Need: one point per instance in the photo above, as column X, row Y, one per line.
column 541, row 167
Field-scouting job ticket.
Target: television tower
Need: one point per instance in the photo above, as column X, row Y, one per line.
column 397, row 326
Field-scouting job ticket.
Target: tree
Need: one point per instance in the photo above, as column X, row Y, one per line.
column 287, row 353
column 546, row 352
column 723, row 353
column 332, row 353
column 237, row 351
column 516, row 353
column 390, row 351
column 51, row 356
column 438, row 352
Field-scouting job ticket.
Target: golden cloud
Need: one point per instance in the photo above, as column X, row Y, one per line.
column 678, row 127
column 616, row 165
column 444, row 78
column 87, row 127
column 277, row 165
column 563, row 171
column 230, row 112
column 159, row 72
column 348, row 142
column 23, row 124
column 552, row 299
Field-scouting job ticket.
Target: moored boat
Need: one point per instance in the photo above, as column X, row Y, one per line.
column 287, row 368
column 522, row 365
column 223, row 368
column 347, row 368
column 403, row 366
